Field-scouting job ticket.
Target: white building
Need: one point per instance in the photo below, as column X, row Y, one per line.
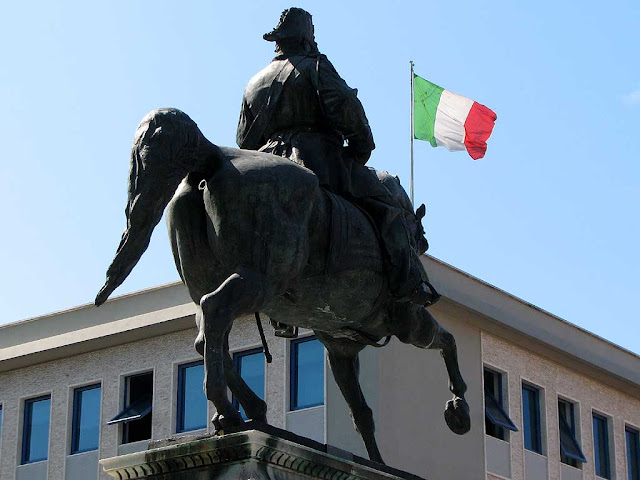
column 90, row 383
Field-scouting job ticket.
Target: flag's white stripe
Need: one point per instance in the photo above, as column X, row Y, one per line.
column 451, row 114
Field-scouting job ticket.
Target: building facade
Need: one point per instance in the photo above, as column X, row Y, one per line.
column 548, row 399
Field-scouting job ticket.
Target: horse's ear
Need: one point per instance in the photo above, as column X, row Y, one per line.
column 421, row 211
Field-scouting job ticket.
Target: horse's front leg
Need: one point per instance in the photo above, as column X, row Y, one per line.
column 345, row 366
column 414, row 324
column 242, row 293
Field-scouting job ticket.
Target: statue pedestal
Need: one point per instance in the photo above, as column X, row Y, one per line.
column 253, row 453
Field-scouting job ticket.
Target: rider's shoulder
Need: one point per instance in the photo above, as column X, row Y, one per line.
column 265, row 75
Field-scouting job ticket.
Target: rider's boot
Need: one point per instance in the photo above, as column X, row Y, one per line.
column 408, row 280
column 417, row 288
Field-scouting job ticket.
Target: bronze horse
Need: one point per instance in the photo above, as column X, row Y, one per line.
column 250, row 232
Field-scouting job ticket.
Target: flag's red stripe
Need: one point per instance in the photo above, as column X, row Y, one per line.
column 478, row 127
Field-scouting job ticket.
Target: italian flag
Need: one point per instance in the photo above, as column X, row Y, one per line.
column 444, row 118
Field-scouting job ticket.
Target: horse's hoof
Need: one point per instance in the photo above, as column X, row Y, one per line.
column 261, row 419
column 457, row 416
column 220, row 422
column 216, row 424
column 199, row 343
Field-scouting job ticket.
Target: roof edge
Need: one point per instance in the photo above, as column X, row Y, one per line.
column 90, row 305
column 531, row 305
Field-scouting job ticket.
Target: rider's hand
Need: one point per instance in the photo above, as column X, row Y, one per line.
column 357, row 156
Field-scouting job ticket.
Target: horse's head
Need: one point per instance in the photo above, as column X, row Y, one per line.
column 417, row 230
column 167, row 145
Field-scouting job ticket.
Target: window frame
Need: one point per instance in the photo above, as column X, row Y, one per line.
column 630, row 430
column 75, row 417
column 538, row 419
column 26, row 432
column 293, row 373
column 502, row 427
column 180, row 398
column 607, row 445
column 567, row 457
column 236, row 358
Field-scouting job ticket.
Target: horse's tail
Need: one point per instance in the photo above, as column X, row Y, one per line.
column 167, row 146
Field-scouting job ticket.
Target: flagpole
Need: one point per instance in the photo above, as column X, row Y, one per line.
column 412, row 132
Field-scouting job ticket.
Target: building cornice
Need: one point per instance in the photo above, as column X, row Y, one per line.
column 520, row 322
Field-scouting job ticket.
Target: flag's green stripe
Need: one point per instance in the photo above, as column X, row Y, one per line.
column 426, row 97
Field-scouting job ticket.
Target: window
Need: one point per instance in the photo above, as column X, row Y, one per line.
column 496, row 419
column 250, row 365
column 633, row 453
column 531, row 418
column 192, row 402
column 601, row 446
column 570, row 452
column 307, row 373
column 136, row 414
column 85, row 429
column 35, row 431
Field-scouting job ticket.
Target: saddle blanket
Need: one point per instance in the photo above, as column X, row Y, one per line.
column 354, row 242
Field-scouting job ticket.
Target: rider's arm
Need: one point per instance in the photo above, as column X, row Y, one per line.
column 344, row 111
column 244, row 125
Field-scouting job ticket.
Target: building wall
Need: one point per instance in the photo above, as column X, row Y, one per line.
column 414, row 391
column 407, row 389
column 109, row 366
column 556, row 380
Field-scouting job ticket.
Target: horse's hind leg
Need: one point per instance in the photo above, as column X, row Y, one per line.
column 254, row 406
column 243, row 292
column 415, row 325
column 343, row 357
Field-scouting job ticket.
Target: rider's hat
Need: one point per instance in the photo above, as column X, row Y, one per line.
column 294, row 23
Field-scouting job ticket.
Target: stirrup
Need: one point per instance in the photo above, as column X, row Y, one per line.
column 423, row 297
column 283, row 330
column 435, row 296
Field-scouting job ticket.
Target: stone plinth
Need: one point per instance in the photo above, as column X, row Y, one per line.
column 265, row 454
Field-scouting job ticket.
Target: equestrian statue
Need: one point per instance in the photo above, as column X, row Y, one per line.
column 292, row 224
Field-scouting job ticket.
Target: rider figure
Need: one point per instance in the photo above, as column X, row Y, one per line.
column 300, row 108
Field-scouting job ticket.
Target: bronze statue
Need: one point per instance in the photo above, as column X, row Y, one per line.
column 256, row 232
column 300, row 108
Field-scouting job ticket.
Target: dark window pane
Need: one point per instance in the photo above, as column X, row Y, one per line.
column 633, row 454
column 531, row 419
column 601, row 446
column 35, row 444
column 496, row 419
column 192, row 402
column 492, row 388
column 137, row 412
column 86, row 419
column 496, row 415
column 250, row 366
column 570, row 452
column 307, row 373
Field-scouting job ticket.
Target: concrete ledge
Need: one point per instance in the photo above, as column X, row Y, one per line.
column 75, row 342
column 245, row 454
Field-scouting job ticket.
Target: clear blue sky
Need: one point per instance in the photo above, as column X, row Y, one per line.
column 549, row 215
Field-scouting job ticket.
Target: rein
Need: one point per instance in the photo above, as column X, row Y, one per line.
column 265, row 346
